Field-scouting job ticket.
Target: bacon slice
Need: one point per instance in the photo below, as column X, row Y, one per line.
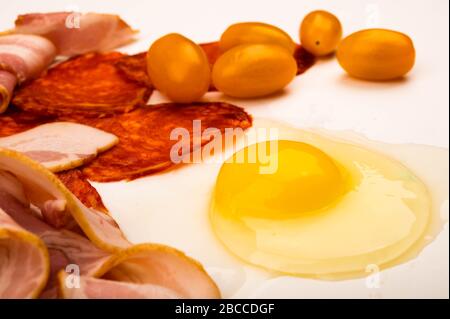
column 15, row 121
column 89, row 85
column 77, row 33
column 25, row 56
column 164, row 272
column 101, row 251
column 61, row 146
column 22, row 57
column 92, row 288
column 24, row 259
column 33, row 176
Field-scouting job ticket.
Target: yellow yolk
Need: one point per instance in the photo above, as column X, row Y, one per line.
column 306, row 179
column 331, row 210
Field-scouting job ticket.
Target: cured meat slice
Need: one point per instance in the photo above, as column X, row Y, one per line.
column 89, row 85
column 144, row 135
column 148, row 270
column 134, row 67
column 212, row 51
column 163, row 266
column 77, row 33
column 77, row 183
column 60, row 146
column 93, row 288
column 16, row 121
column 22, row 57
column 304, row 59
column 51, row 192
column 24, row 260
column 25, row 56
column 145, row 142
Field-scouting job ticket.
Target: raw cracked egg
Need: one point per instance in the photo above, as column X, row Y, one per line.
column 329, row 209
column 329, row 205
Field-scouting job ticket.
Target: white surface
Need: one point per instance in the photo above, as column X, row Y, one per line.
column 415, row 110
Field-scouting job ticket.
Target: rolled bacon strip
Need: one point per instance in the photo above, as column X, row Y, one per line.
column 77, row 33
column 25, row 56
column 22, row 57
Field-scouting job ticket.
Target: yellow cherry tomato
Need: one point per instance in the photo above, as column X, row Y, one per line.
column 253, row 70
column 255, row 33
column 320, row 33
column 179, row 68
column 376, row 54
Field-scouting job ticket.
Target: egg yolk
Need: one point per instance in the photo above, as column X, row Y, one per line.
column 305, row 179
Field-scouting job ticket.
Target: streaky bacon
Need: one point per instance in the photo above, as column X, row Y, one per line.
column 24, row 264
column 100, row 250
column 77, row 33
column 93, row 288
column 22, row 57
column 25, row 55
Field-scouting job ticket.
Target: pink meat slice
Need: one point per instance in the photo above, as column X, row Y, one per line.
column 22, row 57
column 92, row 288
column 23, row 256
column 77, row 33
column 99, row 251
column 25, row 55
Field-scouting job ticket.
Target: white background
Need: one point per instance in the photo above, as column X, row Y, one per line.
column 413, row 110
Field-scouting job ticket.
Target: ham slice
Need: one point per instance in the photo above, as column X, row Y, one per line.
column 22, row 57
column 92, row 288
column 24, row 261
column 77, row 33
column 97, row 262
column 61, row 146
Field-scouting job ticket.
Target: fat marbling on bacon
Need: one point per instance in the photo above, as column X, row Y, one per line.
column 60, row 146
column 22, row 57
column 77, row 33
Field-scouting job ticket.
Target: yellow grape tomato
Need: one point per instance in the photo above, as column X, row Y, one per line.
column 320, row 33
column 178, row 68
column 254, row 70
column 255, row 33
column 376, row 54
